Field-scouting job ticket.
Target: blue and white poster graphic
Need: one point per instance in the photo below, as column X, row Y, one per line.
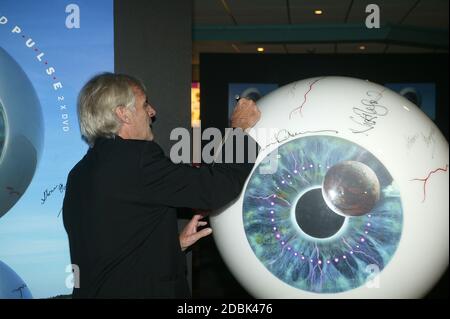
column 421, row 94
column 48, row 50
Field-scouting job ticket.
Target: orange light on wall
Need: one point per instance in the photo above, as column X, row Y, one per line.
column 195, row 104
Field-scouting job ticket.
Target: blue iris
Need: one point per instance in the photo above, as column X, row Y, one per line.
column 345, row 258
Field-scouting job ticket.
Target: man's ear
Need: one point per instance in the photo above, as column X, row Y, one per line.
column 123, row 114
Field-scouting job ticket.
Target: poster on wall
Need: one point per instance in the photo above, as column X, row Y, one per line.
column 253, row 91
column 48, row 50
column 421, row 94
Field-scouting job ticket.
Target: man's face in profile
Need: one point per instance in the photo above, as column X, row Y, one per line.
column 142, row 116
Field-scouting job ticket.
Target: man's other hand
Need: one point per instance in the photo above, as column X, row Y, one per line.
column 189, row 235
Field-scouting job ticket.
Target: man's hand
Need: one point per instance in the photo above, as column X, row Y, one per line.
column 245, row 115
column 189, row 235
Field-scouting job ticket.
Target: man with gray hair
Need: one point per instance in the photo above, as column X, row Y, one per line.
column 120, row 204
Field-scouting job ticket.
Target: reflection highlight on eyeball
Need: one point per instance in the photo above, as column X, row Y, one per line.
column 351, row 188
column 341, row 215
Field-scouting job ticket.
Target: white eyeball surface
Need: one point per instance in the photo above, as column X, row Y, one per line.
column 348, row 197
column 11, row 285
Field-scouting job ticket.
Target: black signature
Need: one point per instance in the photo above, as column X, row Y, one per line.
column 284, row 134
column 12, row 191
column 368, row 112
column 19, row 289
column 48, row 192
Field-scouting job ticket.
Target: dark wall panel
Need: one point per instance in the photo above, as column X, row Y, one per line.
column 153, row 41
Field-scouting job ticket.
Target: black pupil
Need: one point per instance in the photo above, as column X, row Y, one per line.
column 314, row 216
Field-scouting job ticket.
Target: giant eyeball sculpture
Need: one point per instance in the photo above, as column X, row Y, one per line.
column 348, row 197
column 21, row 132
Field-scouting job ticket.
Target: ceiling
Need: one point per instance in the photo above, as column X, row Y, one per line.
column 341, row 27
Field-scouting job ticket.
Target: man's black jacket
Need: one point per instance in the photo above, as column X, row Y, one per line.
column 119, row 213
